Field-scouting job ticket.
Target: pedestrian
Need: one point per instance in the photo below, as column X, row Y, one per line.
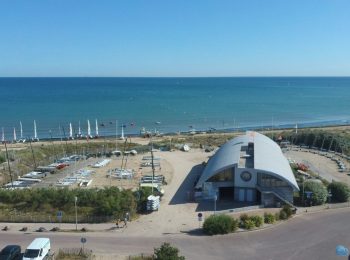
column 125, row 222
column 117, row 223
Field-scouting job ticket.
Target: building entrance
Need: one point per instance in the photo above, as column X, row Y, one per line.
column 226, row 193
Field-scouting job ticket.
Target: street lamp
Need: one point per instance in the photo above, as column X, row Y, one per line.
column 215, row 199
column 76, row 213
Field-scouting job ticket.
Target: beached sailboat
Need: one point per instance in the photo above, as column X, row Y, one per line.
column 71, row 131
column 14, row 135
column 21, row 140
column 88, row 130
column 35, row 139
column 96, row 132
column 122, row 135
column 79, row 135
column 3, row 135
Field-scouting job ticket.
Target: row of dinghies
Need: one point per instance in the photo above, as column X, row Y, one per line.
column 72, row 134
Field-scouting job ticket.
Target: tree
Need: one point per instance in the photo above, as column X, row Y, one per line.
column 340, row 191
column 319, row 192
column 167, row 252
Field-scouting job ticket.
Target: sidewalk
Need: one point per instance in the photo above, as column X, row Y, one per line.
column 305, row 210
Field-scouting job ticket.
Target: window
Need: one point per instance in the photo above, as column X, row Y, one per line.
column 271, row 181
column 225, row 175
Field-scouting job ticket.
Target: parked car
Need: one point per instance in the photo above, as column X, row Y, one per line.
column 10, row 252
column 39, row 249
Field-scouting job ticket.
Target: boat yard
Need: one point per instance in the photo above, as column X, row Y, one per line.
column 125, row 173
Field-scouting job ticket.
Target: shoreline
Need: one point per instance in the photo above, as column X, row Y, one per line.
column 262, row 128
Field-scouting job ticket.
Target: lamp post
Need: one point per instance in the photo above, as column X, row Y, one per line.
column 76, row 213
column 215, row 198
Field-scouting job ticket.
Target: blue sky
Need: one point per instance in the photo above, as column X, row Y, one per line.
column 175, row 38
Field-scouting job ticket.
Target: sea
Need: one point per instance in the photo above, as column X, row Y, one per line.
column 170, row 105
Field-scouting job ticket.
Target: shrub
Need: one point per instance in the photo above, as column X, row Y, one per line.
column 277, row 216
column 269, row 218
column 319, row 192
column 258, row 220
column 288, row 210
column 340, row 191
column 249, row 224
column 219, row 224
column 243, row 218
column 283, row 215
column 167, row 252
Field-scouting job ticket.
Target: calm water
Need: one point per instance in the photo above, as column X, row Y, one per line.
column 175, row 102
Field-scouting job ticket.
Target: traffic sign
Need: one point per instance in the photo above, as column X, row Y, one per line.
column 83, row 240
column 200, row 216
column 59, row 215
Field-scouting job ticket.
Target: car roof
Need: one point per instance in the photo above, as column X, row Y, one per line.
column 38, row 243
column 8, row 248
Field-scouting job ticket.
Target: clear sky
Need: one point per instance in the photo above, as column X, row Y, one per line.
column 175, row 38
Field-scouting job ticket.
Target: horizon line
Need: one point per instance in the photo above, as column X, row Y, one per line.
column 310, row 76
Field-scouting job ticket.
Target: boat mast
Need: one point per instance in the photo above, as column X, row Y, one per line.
column 3, row 135
column 35, row 132
column 96, row 127
column 20, row 124
column 89, row 129
column 122, row 136
column 70, row 131
column 14, row 134
column 79, row 131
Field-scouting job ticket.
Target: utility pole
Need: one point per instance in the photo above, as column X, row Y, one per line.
column 76, row 213
column 152, row 163
column 8, row 163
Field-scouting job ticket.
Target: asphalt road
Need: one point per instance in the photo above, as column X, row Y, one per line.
column 312, row 236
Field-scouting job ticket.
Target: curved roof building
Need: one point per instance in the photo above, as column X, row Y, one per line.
column 249, row 168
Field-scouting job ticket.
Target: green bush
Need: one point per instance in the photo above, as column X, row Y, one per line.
column 219, row 224
column 319, row 192
column 258, row 220
column 277, row 216
column 283, row 215
column 340, row 191
column 269, row 218
column 249, row 224
column 167, row 252
column 288, row 210
column 243, row 217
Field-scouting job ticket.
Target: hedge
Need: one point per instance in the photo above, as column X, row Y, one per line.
column 319, row 192
column 340, row 191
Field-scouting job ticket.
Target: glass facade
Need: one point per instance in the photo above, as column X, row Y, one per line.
column 266, row 180
column 225, row 175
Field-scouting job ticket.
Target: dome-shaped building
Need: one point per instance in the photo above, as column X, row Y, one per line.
column 249, row 168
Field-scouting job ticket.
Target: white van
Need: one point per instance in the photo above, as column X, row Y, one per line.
column 38, row 249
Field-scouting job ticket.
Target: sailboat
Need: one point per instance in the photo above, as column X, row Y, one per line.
column 14, row 135
column 96, row 136
column 3, row 136
column 79, row 132
column 122, row 135
column 71, row 132
column 89, row 130
column 35, row 139
column 22, row 140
